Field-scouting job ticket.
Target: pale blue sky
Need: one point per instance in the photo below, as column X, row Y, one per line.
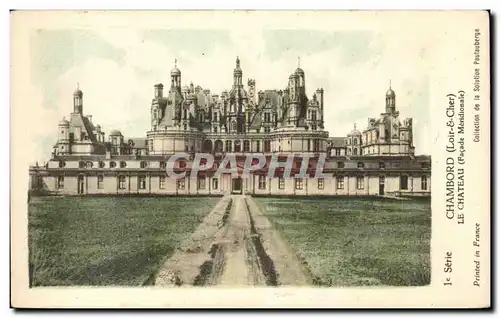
column 117, row 69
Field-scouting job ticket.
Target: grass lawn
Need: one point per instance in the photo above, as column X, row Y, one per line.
column 357, row 242
column 107, row 241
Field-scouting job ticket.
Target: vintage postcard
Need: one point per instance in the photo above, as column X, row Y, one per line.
column 190, row 159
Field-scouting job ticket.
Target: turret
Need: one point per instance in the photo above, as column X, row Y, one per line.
column 390, row 101
column 159, row 91
column 63, row 140
column 78, row 101
column 175, row 77
column 237, row 74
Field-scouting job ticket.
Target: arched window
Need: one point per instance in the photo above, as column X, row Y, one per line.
column 355, row 152
column 355, row 141
column 144, row 164
column 62, row 164
column 101, row 164
column 112, row 164
column 218, row 145
column 123, row 164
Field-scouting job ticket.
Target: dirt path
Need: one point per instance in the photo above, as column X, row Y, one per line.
column 235, row 245
column 241, row 260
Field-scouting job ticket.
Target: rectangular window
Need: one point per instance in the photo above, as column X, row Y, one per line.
column 201, row 183
column 340, row 183
column 181, row 184
column 122, row 182
column 262, row 182
column 246, row 145
column 257, row 146
column 299, row 184
column 337, row 152
column 267, row 145
column 360, row 183
column 281, row 184
column 100, row 182
column 314, row 127
column 162, row 182
column 340, row 164
column 267, row 118
column 424, row 183
column 313, row 115
column 215, row 183
column 321, row 183
column 267, row 130
column 60, row 182
column 141, row 180
column 361, row 164
column 215, row 129
column 403, row 183
column 308, row 145
column 316, row 145
column 215, row 116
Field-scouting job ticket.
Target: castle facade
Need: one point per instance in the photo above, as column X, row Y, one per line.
column 378, row 160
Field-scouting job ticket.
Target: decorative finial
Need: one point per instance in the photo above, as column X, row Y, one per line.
column 354, row 126
column 390, row 83
column 237, row 61
column 77, row 85
column 298, row 60
column 175, row 62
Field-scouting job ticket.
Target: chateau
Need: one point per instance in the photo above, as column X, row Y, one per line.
column 378, row 160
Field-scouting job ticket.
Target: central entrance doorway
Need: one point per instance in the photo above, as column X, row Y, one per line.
column 381, row 185
column 237, row 186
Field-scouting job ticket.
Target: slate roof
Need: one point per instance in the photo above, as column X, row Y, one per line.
column 337, row 142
